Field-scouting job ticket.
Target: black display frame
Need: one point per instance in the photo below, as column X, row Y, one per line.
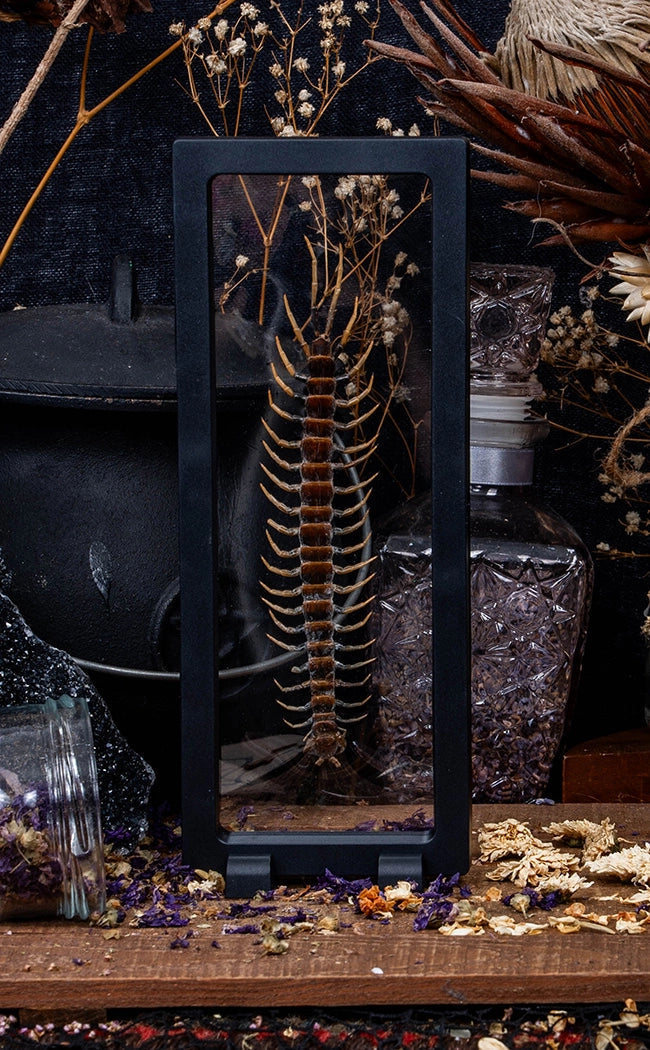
column 254, row 860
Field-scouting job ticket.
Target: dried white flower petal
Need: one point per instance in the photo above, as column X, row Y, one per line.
column 539, row 863
column 630, row 865
column 633, row 274
column 564, row 883
column 508, row 838
column 505, row 924
column 595, row 839
column 456, row 929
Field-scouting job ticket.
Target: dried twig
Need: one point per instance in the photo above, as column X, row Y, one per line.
column 42, row 69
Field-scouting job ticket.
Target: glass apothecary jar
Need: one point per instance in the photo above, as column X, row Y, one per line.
column 51, row 854
column 530, row 574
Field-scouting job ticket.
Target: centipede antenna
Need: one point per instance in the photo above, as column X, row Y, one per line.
column 283, row 357
column 336, row 293
column 297, row 332
column 349, row 328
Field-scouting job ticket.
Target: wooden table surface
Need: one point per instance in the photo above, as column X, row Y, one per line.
column 60, row 965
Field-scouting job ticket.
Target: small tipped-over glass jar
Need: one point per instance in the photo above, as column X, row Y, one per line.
column 51, row 855
column 530, row 574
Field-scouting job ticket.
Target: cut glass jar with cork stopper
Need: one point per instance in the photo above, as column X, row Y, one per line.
column 530, row 574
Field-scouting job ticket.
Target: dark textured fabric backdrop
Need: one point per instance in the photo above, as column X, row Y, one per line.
column 112, row 193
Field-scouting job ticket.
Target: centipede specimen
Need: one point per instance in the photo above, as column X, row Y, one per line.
column 318, row 536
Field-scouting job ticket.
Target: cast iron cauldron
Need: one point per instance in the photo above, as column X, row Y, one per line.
column 88, row 514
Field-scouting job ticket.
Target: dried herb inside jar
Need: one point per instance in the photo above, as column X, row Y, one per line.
column 31, row 875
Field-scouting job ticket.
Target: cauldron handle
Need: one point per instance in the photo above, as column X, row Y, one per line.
column 122, row 302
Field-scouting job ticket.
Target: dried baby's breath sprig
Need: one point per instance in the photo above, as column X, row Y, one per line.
column 301, row 89
column 603, row 377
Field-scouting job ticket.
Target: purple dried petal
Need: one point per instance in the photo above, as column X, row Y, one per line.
column 249, row 927
column 442, row 886
column 340, row 888
column 299, row 916
column 240, row 908
column 244, row 813
column 181, row 942
column 544, row 901
column 434, row 913
column 417, row 821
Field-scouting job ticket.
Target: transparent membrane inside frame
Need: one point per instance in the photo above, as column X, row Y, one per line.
column 322, row 346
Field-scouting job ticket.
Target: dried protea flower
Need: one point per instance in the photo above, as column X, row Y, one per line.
column 562, row 104
column 104, row 15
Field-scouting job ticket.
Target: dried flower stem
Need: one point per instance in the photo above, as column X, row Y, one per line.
column 42, row 69
column 266, row 235
column 84, row 116
column 624, row 476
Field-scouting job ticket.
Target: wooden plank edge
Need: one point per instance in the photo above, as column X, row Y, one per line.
column 377, row 990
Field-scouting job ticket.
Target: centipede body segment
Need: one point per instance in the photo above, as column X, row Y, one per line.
column 318, row 539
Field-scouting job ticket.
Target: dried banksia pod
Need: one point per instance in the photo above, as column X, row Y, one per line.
column 104, row 15
column 562, row 104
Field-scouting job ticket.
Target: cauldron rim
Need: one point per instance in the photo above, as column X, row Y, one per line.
column 74, row 355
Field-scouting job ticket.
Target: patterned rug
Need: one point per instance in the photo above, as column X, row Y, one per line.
column 624, row 1026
